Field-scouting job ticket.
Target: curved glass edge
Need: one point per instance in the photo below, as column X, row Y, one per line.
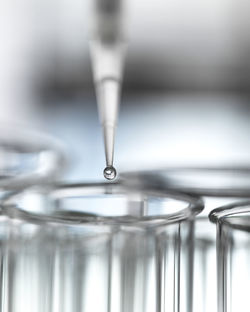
column 50, row 153
column 194, row 205
column 220, row 215
column 163, row 178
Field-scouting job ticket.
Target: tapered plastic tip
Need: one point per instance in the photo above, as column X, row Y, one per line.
column 109, row 173
column 109, row 136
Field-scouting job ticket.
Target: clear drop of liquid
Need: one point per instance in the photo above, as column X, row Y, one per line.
column 109, row 173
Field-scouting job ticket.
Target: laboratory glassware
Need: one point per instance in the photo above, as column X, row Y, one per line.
column 28, row 158
column 233, row 254
column 217, row 186
column 96, row 247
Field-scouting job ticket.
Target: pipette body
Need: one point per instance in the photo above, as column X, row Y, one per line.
column 107, row 49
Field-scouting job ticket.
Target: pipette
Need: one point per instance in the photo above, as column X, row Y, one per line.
column 107, row 55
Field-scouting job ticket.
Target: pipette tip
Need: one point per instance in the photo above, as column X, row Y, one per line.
column 109, row 173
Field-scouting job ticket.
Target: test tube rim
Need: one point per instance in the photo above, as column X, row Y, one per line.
column 24, row 141
column 193, row 207
column 222, row 215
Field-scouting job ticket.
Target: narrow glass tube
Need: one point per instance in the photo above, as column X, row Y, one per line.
column 233, row 245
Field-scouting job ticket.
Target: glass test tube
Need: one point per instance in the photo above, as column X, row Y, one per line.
column 233, row 255
column 217, row 186
column 99, row 247
column 26, row 160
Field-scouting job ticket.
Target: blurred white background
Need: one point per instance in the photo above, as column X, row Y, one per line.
column 186, row 84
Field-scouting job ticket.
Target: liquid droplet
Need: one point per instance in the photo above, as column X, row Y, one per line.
column 109, row 173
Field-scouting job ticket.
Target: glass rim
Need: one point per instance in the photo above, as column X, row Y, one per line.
column 224, row 215
column 50, row 153
column 170, row 178
column 194, row 205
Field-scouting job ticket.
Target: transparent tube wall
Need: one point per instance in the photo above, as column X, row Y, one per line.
column 233, row 255
column 218, row 187
column 74, row 260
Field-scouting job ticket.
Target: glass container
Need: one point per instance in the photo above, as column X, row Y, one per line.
column 217, row 186
column 97, row 247
column 233, row 255
column 28, row 159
